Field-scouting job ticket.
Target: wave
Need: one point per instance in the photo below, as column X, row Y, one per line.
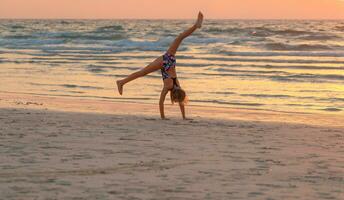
column 17, row 26
column 95, row 69
column 273, row 53
column 64, row 22
column 289, row 96
column 306, row 67
column 301, row 105
column 332, row 109
column 153, row 75
column 320, row 37
column 157, row 45
column 86, row 36
column 258, row 31
column 301, row 47
column 69, row 86
column 61, row 47
column 222, row 93
column 77, row 51
column 29, row 43
column 74, row 58
column 80, row 86
column 284, row 77
column 266, row 32
column 184, row 64
column 199, row 40
column 317, row 78
column 228, row 103
column 249, row 71
column 19, row 36
column 267, row 95
column 292, row 32
column 112, row 28
column 339, row 28
column 64, row 36
column 316, row 91
column 337, row 99
column 103, row 68
column 225, row 30
column 267, row 60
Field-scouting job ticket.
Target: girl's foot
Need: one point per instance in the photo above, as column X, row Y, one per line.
column 120, row 87
column 199, row 20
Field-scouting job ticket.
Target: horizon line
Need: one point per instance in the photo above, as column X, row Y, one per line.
column 4, row 18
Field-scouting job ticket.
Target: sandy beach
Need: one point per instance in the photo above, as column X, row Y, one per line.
column 68, row 148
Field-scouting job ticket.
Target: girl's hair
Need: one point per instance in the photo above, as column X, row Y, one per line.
column 178, row 95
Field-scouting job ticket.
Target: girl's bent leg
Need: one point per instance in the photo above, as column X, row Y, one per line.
column 154, row 66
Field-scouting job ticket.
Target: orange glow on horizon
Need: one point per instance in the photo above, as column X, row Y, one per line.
column 157, row 9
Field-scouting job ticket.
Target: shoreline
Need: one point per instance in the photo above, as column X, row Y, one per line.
column 73, row 104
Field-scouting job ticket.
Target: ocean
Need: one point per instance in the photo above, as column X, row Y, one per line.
column 279, row 65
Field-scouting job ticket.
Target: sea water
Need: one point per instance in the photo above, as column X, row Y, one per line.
column 289, row 66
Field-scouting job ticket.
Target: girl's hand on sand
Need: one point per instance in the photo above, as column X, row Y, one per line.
column 199, row 20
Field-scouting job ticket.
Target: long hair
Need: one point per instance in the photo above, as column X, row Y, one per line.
column 178, row 95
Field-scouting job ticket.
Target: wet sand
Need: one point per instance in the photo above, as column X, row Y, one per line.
column 67, row 148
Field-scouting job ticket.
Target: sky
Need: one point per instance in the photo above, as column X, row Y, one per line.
column 172, row 9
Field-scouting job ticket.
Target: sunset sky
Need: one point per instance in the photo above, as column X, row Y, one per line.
column 147, row 9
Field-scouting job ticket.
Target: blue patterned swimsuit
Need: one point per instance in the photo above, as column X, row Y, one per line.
column 169, row 61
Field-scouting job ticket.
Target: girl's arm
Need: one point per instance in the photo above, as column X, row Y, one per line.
column 161, row 102
column 182, row 109
column 181, row 105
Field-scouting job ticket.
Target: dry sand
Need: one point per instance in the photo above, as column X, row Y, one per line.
column 67, row 148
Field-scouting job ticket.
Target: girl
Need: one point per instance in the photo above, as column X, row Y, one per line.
column 166, row 63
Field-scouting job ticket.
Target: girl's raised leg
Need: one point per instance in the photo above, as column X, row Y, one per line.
column 154, row 66
column 175, row 44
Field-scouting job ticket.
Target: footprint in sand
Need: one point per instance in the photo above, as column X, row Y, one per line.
column 150, row 119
